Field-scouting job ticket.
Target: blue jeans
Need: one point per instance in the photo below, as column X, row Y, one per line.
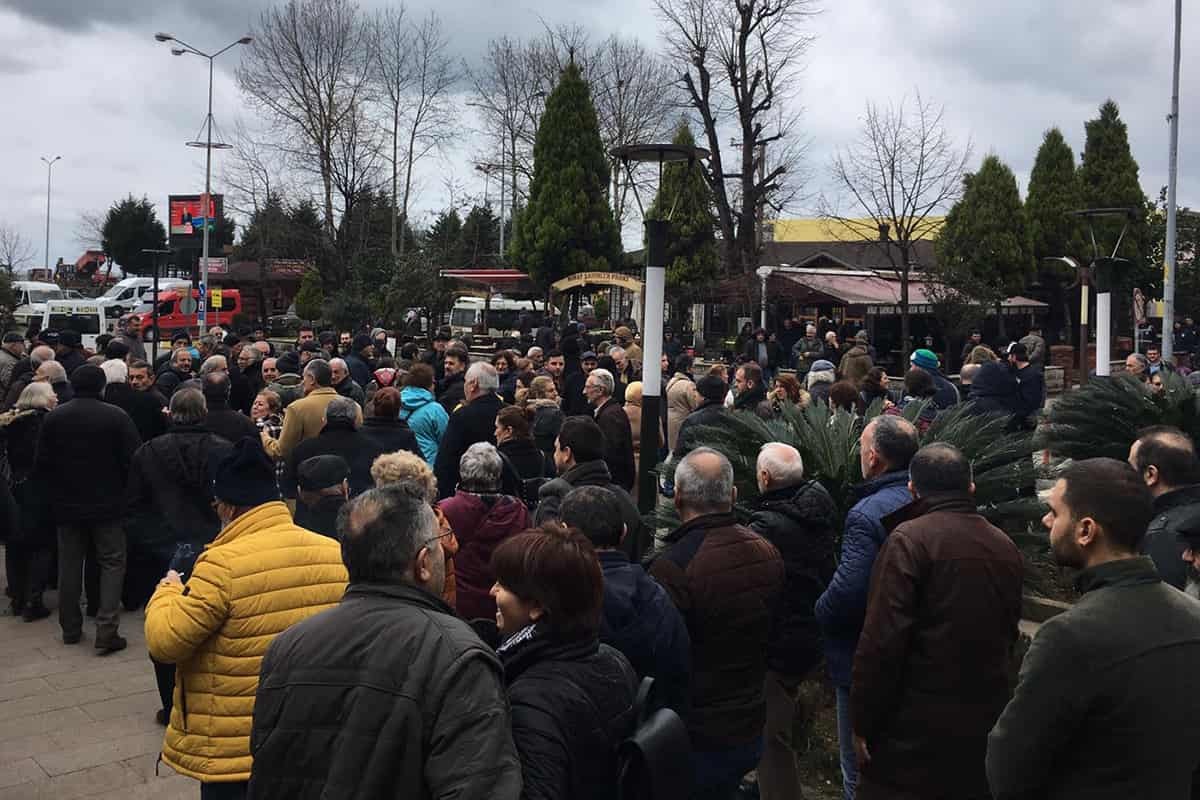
column 846, row 743
column 716, row 774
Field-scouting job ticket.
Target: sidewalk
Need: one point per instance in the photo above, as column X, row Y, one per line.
column 74, row 724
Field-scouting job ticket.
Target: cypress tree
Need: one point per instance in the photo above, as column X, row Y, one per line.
column 1054, row 192
column 1109, row 179
column 692, row 258
column 310, row 296
column 443, row 243
column 568, row 226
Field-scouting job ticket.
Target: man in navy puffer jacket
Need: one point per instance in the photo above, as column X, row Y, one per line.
column 887, row 445
column 639, row 618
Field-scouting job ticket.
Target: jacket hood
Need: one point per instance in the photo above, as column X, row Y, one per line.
column 626, row 594
column 820, row 376
column 994, row 379
column 413, row 397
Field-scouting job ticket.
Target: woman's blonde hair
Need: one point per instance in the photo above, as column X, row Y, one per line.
column 540, row 388
column 633, row 394
column 35, row 395
column 404, row 466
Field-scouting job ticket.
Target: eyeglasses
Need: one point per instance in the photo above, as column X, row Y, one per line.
column 431, row 540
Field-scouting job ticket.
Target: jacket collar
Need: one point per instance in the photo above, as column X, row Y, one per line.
column 751, row 398
column 588, row 470
column 322, row 390
column 952, row 502
column 612, row 559
column 268, row 515
column 784, row 495
column 1186, row 495
column 332, row 425
column 703, row 523
column 1123, row 572
column 884, row 481
column 406, row 592
column 609, row 402
column 533, row 644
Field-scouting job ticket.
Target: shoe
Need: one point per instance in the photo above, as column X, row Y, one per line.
column 110, row 645
column 90, row 612
column 72, row 638
column 162, row 717
column 35, row 611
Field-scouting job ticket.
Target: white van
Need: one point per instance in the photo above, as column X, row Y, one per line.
column 86, row 317
column 32, row 297
column 503, row 315
column 128, row 293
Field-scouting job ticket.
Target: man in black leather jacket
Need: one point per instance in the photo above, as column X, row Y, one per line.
column 1165, row 457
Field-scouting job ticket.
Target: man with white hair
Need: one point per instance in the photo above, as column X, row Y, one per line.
column 473, row 421
column 725, row 579
column 23, row 372
column 344, row 384
column 807, row 349
column 536, row 357
column 53, row 373
column 614, row 424
column 799, row 517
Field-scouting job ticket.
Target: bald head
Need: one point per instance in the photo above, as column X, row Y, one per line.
column 704, row 484
column 41, row 354
column 779, row 466
column 1166, row 459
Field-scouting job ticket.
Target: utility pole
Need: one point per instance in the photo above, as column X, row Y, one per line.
column 49, row 168
column 1168, row 323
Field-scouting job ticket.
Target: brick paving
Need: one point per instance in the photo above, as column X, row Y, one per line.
column 74, row 724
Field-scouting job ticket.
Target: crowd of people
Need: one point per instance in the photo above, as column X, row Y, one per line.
column 425, row 572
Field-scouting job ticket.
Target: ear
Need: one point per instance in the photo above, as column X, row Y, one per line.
column 733, row 500
column 421, row 566
column 346, row 488
column 536, row 612
column 624, row 533
column 1150, row 476
column 1086, row 531
column 912, row 490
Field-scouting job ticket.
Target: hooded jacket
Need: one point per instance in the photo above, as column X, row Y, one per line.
column 842, row 606
column 289, row 386
column 818, row 383
column 641, row 621
column 547, row 421
column 480, row 523
column 426, row 417
column 994, row 391
column 682, row 400
column 855, row 365
column 593, row 473
column 801, row 522
column 1176, row 514
column 261, row 575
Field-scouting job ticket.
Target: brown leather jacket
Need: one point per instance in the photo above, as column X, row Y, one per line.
column 930, row 673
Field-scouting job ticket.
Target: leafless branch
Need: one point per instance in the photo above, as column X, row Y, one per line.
column 16, row 251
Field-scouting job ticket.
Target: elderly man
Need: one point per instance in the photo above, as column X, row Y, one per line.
column 1137, row 366
column 474, row 421
column 180, row 370
column 536, row 357
column 305, row 417
column 614, row 425
column 807, row 350
column 11, row 353
column 390, row 693
column 145, row 408
column 270, row 370
column 799, row 517
column 886, row 447
column 86, row 447
column 724, row 579
column 324, row 487
column 261, row 575
column 339, row 436
column 249, row 363
column 931, row 668
column 52, row 372
column 344, row 384
column 223, row 420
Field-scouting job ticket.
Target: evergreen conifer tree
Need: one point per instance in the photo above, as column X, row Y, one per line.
column 1054, row 192
column 443, row 243
column 692, row 258
column 568, row 226
column 310, row 296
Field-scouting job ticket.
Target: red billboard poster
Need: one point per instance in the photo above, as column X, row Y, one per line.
column 187, row 215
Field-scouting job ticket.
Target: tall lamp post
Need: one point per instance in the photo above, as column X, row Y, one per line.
column 206, row 202
column 49, row 162
column 656, row 279
column 1168, row 323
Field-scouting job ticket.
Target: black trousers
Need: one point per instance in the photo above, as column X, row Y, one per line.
column 27, row 569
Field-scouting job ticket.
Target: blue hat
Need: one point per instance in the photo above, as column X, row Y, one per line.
column 925, row 359
column 821, row 365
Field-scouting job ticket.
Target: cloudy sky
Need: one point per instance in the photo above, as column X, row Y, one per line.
column 87, row 81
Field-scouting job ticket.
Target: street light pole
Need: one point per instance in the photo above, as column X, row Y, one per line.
column 49, row 168
column 208, row 206
column 1168, row 323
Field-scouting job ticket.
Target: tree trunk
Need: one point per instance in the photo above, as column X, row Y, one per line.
column 395, row 152
column 407, row 188
column 905, row 336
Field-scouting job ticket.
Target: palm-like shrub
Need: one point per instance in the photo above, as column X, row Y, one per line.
column 1103, row 418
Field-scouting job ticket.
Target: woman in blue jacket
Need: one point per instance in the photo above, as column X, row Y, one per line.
column 421, row 410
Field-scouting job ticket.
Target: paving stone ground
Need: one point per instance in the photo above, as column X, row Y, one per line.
column 74, row 724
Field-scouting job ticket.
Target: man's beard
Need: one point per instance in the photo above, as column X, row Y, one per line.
column 1067, row 554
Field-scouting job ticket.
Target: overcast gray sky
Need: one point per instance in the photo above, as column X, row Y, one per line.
column 88, row 81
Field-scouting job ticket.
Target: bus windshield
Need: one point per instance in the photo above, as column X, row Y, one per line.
column 44, row 295
column 81, row 323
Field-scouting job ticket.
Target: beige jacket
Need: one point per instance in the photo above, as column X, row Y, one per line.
column 682, row 399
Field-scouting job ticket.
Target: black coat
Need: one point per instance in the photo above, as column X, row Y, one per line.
column 474, row 422
column 22, row 375
column 227, row 423
column 144, row 408
column 594, row 473
column 387, row 695
column 994, row 391
column 359, row 369
column 1108, row 703
column 86, row 447
column 523, row 460
column 801, row 521
column 240, row 395
column 33, row 523
column 337, row 438
column 1176, row 512
column 391, row 435
column 169, row 379
column 71, row 360
column 572, row 703
column 711, row 412
column 450, row 391
column 618, row 443
column 255, row 384
column 320, row 518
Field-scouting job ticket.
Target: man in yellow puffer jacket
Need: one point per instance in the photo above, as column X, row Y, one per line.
column 261, row 575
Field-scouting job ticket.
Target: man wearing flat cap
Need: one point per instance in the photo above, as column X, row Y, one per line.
column 362, row 351
column 261, row 575
column 324, row 487
column 69, row 352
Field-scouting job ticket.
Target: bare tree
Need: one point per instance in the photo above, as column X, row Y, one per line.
column 89, row 230
column 431, row 116
column 308, row 71
column 737, row 61
column 392, row 71
column 15, row 250
column 903, row 169
column 254, row 174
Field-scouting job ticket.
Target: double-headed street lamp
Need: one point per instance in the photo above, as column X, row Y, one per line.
column 49, row 168
column 207, row 205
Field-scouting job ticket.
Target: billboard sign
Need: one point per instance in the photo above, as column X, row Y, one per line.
column 216, row 266
column 188, row 214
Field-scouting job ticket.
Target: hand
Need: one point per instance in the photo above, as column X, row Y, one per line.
column 861, row 751
column 172, row 577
